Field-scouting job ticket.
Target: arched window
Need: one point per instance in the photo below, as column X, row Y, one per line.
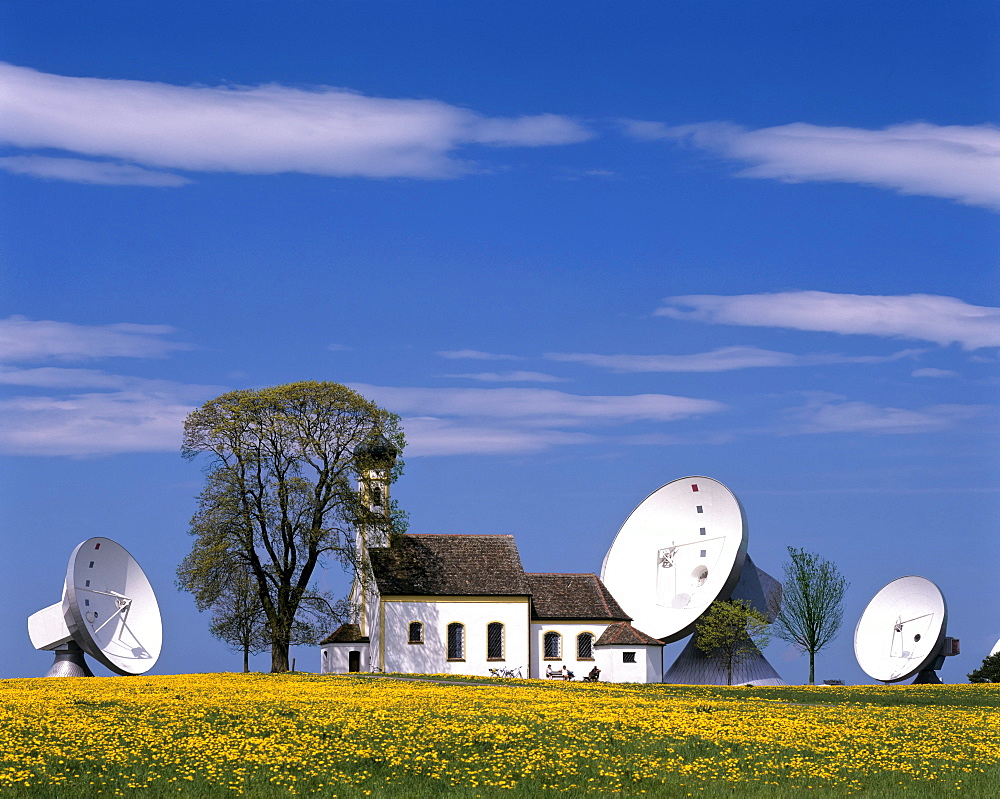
column 553, row 646
column 585, row 646
column 494, row 641
column 416, row 635
column 456, row 641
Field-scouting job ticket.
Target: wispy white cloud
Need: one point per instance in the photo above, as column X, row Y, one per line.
column 264, row 129
column 589, row 174
column 93, row 423
column 78, row 412
column 932, row 372
column 448, row 420
column 723, row 359
column 955, row 162
column 926, row 317
column 78, row 170
column 511, row 377
column 538, row 406
column 429, row 436
column 477, row 355
column 60, row 377
column 23, row 339
column 826, row 414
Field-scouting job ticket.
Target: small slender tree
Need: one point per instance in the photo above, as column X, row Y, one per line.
column 732, row 631
column 238, row 618
column 812, row 604
column 989, row 671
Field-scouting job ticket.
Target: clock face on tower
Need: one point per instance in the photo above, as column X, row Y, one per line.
column 679, row 551
column 901, row 630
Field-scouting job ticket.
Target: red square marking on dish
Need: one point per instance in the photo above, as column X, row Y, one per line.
column 694, row 486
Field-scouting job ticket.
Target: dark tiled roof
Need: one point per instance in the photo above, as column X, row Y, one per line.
column 624, row 634
column 573, row 596
column 450, row 565
column 346, row 634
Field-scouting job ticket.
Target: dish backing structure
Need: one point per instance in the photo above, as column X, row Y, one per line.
column 108, row 611
column 680, row 550
column 901, row 633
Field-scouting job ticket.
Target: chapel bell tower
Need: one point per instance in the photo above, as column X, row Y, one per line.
column 377, row 457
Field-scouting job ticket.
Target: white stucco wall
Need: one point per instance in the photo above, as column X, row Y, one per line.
column 648, row 666
column 569, row 631
column 391, row 634
column 373, row 629
column 334, row 658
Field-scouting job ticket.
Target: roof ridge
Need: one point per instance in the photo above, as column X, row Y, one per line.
column 602, row 593
column 457, row 535
column 562, row 574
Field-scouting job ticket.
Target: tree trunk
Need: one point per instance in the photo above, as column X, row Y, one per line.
column 279, row 656
column 729, row 672
column 246, row 659
column 812, row 667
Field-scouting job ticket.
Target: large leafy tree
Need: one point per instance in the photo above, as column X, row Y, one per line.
column 280, row 499
column 731, row 631
column 812, row 604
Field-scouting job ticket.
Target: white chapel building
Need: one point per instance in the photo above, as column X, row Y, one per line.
column 463, row 604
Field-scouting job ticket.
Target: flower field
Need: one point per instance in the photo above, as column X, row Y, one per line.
column 348, row 736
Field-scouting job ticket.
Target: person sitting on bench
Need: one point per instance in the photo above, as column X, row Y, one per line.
column 548, row 671
column 595, row 673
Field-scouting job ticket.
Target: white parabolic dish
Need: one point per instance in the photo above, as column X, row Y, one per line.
column 902, row 629
column 679, row 551
column 110, row 607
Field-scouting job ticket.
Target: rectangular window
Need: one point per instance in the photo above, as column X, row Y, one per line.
column 552, row 645
column 628, row 657
column 700, row 509
column 704, row 552
column 416, row 633
column 456, row 641
column 585, row 646
column 494, row 641
column 701, row 531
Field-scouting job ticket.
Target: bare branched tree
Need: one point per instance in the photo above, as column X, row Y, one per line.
column 812, row 604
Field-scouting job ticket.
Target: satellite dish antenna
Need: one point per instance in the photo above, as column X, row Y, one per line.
column 108, row 611
column 902, row 632
column 996, row 648
column 680, row 550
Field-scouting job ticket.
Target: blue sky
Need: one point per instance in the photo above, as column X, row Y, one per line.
column 582, row 250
